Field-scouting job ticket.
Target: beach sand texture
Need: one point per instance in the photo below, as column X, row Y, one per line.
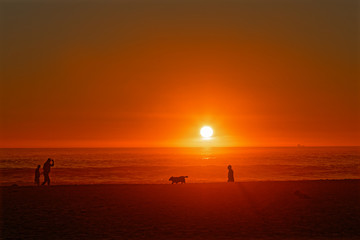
column 245, row 210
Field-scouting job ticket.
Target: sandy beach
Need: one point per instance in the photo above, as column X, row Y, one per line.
column 246, row 210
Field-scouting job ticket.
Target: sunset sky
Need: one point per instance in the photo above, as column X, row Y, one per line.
column 152, row 73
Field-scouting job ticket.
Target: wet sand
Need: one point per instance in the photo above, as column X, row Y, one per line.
column 249, row 210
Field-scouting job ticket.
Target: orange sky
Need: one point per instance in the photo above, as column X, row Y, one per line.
column 151, row 73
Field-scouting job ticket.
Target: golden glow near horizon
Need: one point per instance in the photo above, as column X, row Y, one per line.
column 206, row 132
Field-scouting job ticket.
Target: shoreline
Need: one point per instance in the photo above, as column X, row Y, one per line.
column 191, row 183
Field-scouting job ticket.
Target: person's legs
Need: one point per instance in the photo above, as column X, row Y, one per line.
column 46, row 179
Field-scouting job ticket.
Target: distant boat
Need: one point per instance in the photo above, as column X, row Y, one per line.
column 299, row 145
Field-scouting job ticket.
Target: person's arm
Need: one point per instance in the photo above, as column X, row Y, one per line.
column 52, row 162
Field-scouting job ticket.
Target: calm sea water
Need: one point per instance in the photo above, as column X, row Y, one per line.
column 156, row 165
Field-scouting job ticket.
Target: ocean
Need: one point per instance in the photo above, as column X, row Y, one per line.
column 157, row 165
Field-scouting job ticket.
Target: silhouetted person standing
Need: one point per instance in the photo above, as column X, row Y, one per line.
column 46, row 168
column 37, row 175
column 230, row 174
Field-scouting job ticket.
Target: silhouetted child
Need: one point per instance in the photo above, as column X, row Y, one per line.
column 37, row 175
column 230, row 174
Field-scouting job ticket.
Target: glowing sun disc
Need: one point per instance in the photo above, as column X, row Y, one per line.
column 206, row 132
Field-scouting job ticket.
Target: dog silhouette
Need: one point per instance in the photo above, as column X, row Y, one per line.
column 176, row 180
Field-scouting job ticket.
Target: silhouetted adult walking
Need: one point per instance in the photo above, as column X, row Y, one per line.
column 230, row 174
column 46, row 170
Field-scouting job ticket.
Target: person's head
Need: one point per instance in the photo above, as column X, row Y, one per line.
column 39, row 166
column 49, row 159
column 229, row 167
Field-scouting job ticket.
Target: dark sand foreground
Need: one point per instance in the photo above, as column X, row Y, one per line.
column 251, row 210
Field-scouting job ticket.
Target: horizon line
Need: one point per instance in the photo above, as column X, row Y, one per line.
column 138, row 147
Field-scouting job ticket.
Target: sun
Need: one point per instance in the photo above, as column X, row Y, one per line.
column 206, row 132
